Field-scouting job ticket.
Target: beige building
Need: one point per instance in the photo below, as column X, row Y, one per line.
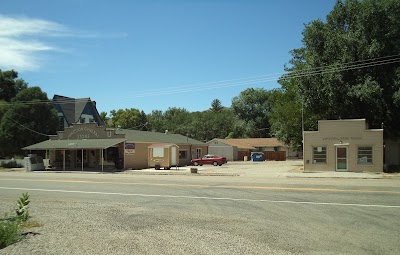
column 89, row 146
column 343, row 145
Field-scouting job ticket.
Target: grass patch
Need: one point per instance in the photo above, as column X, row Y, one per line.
column 32, row 224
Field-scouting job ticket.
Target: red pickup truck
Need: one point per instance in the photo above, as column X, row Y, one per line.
column 209, row 159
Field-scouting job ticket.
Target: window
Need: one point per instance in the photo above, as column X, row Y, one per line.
column 183, row 154
column 198, row 153
column 319, row 154
column 158, row 152
column 82, row 120
column 91, row 120
column 364, row 155
column 61, row 124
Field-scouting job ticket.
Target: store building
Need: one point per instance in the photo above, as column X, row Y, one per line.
column 343, row 145
column 89, row 146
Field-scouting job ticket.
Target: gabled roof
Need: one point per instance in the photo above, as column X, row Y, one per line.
column 252, row 143
column 156, row 137
column 80, row 104
column 67, row 107
column 72, row 108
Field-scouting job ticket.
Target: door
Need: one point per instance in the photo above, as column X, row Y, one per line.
column 173, row 156
column 198, row 153
column 341, row 158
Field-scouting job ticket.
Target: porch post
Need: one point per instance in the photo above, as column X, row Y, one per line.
column 47, row 160
column 123, row 151
column 63, row 160
column 82, row 160
column 102, row 160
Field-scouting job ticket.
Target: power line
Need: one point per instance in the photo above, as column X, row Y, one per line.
column 243, row 81
column 28, row 128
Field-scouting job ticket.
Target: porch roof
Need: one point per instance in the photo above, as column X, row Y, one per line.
column 74, row 144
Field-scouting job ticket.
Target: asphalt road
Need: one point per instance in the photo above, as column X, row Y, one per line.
column 141, row 214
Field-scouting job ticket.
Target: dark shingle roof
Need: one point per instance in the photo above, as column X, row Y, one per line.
column 67, row 106
column 72, row 108
column 80, row 104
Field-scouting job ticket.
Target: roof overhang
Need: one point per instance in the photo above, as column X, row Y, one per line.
column 74, row 144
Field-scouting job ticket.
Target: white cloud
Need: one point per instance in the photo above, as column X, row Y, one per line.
column 20, row 55
column 26, row 26
column 22, row 39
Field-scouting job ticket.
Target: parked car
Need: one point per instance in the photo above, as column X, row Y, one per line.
column 209, row 159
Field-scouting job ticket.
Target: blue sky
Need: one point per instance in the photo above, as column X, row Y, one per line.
column 152, row 55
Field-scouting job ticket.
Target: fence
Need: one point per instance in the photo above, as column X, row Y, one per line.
column 275, row 155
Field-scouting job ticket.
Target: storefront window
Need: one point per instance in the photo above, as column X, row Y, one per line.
column 364, row 155
column 319, row 154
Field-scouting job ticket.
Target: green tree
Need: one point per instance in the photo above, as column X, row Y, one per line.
column 156, row 121
column 177, row 120
column 144, row 120
column 10, row 86
column 216, row 105
column 128, row 118
column 348, row 66
column 104, row 118
column 254, row 106
column 28, row 120
column 207, row 125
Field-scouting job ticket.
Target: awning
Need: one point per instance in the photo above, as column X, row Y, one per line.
column 74, row 144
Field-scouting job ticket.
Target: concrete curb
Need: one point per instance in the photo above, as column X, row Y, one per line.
column 350, row 175
column 337, row 177
column 138, row 172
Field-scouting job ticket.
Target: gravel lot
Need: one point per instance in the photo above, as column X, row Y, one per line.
column 95, row 227
column 247, row 169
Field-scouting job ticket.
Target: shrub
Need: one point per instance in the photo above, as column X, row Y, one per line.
column 10, row 232
column 11, row 164
column 11, row 227
column 22, row 209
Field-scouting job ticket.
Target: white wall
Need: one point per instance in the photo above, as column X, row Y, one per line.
column 222, row 151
